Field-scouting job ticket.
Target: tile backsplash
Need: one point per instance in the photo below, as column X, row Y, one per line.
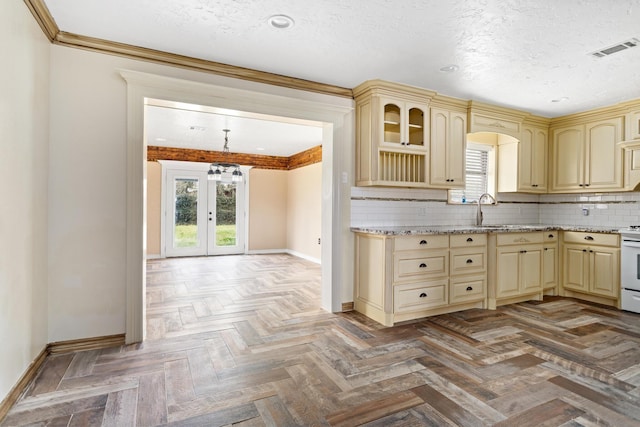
column 409, row 207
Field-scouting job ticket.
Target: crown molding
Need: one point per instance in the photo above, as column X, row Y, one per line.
column 42, row 15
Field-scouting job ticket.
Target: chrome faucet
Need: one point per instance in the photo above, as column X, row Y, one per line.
column 479, row 214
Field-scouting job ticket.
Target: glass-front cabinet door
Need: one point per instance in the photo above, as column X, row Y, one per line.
column 404, row 124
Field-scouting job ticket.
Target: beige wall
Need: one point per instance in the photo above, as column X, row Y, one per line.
column 154, row 207
column 87, row 185
column 267, row 209
column 24, row 129
column 304, row 208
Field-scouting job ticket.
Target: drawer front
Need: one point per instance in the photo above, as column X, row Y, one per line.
column 467, row 289
column 419, row 265
column 467, row 240
column 464, row 262
column 430, row 241
column 419, row 296
column 603, row 239
column 550, row 236
column 504, row 239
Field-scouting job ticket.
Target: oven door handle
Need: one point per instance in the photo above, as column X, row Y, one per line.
column 631, row 243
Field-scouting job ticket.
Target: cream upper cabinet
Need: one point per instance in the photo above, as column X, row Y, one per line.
column 522, row 165
column 404, row 124
column 448, row 144
column 632, row 131
column 532, row 160
column 392, row 135
column 587, row 157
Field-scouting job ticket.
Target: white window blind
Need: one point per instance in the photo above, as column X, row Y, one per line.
column 476, row 171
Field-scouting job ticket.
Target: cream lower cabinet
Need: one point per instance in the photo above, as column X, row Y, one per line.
column 401, row 278
column 515, row 272
column 591, row 267
column 550, row 263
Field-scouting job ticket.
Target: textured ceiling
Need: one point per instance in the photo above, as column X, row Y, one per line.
column 520, row 54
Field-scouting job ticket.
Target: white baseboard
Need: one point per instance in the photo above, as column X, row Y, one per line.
column 303, row 256
column 284, row 251
column 267, row 251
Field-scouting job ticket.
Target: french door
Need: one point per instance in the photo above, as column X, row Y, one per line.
column 202, row 217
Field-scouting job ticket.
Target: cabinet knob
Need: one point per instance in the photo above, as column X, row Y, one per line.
column 588, row 238
column 586, row 185
column 423, row 242
column 423, row 265
column 546, row 249
column 469, row 288
column 584, row 250
column 423, row 295
column 469, row 239
column 469, row 261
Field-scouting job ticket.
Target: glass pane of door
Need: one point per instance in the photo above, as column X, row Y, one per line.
column 185, row 222
column 186, row 204
column 226, row 226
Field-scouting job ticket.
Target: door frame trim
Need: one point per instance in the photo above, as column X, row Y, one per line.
column 337, row 157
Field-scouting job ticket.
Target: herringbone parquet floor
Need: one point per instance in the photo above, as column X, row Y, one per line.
column 240, row 340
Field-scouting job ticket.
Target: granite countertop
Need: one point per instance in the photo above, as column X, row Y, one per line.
column 464, row 229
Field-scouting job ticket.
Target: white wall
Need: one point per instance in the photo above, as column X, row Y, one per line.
column 88, row 186
column 24, row 127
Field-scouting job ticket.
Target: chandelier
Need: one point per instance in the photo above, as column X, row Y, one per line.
column 216, row 169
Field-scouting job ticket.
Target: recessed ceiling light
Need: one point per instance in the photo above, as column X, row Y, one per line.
column 281, row 22
column 260, row 149
column 563, row 99
column 197, row 128
column 161, row 139
column 450, row 68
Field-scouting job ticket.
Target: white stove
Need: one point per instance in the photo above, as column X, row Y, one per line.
column 630, row 268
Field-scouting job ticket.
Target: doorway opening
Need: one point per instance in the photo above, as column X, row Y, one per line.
column 336, row 116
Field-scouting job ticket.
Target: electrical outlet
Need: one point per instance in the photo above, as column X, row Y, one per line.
column 585, row 211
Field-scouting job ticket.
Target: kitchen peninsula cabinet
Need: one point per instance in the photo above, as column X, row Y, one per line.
column 392, row 134
column 587, row 157
column 515, row 271
column 591, row 267
column 399, row 278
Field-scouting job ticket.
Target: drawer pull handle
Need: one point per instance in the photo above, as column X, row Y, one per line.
column 469, row 239
column 469, row 288
column 423, row 295
column 469, row 261
column 423, row 242
column 423, row 265
column 551, row 236
column 588, row 238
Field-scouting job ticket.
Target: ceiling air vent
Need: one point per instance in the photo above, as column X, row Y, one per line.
column 616, row 48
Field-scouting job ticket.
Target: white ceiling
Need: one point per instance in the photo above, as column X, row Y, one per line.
column 515, row 53
column 180, row 125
